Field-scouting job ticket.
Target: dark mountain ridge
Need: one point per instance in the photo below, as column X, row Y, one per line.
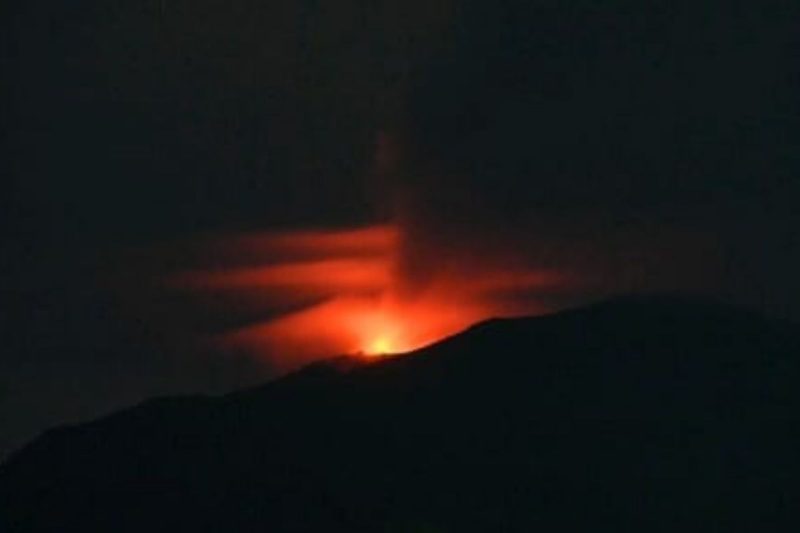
column 656, row 413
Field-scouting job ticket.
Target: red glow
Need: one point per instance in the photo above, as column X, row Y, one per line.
column 338, row 274
column 344, row 292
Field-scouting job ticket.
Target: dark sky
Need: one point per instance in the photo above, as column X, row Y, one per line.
column 648, row 147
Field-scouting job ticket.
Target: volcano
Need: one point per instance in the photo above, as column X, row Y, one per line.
column 637, row 414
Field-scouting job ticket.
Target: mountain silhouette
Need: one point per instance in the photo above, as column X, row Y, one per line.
column 636, row 414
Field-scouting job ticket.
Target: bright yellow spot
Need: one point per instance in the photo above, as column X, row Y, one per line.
column 380, row 346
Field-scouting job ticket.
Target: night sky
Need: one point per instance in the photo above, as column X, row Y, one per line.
column 626, row 146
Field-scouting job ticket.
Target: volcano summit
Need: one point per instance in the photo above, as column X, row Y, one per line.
column 638, row 414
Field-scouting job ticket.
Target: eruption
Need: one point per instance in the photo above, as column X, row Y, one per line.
column 350, row 291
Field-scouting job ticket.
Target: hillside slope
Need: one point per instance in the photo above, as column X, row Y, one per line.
column 650, row 414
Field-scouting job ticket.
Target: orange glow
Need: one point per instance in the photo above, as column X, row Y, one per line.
column 366, row 325
column 341, row 292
